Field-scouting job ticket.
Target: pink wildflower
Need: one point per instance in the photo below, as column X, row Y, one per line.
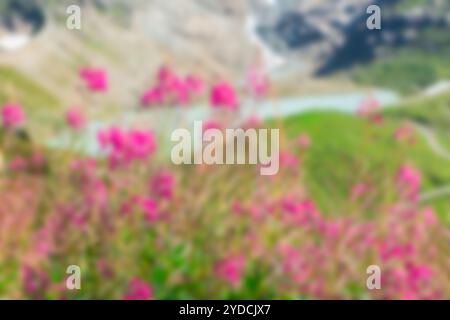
column 231, row 269
column 12, row 116
column 237, row 207
column 163, row 184
column 254, row 121
column 96, row 194
column 124, row 147
column 258, row 83
column 409, row 180
column 85, row 167
column 359, row 190
column 129, row 205
column 389, row 251
column 75, row 119
column 195, row 84
column 153, row 96
column 429, row 216
column 212, row 124
column 18, row 164
column 224, row 96
column 139, row 290
column 289, row 160
column 304, row 141
column 165, row 75
column 150, row 208
column 370, row 109
column 34, row 281
column 96, row 79
column 302, row 212
column 405, row 134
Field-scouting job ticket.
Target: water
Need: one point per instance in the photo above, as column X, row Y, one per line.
column 164, row 121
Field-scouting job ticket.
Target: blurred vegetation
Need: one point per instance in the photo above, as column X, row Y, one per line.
column 412, row 68
column 343, row 154
column 433, row 113
column 17, row 87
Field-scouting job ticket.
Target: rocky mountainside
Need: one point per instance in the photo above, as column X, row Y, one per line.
column 216, row 38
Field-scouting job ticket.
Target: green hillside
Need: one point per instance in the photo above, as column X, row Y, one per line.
column 347, row 151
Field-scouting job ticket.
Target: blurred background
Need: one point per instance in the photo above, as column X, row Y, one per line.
column 364, row 118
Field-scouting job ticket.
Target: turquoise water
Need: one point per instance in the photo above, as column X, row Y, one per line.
column 164, row 121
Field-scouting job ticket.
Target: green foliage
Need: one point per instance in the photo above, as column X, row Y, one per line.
column 18, row 88
column 433, row 113
column 346, row 151
column 421, row 63
column 407, row 72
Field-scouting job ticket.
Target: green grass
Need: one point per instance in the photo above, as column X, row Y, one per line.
column 16, row 87
column 412, row 68
column 406, row 72
column 346, row 151
column 431, row 112
column 39, row 104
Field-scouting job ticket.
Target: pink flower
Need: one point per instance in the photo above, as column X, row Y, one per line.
column 38, row 160
column 165, row 75
column 294, row 264
column 332, row 229
column 150, row 208
column 195, row 84
column 85, row 167
column 170, row 88
column 405, row 134
column 358, row 190
column 43, row 242
column 35, row 282
column 231, row 269
column 303, row 212
column 96, row 79
column 291, row 258
column 254, row 121
column 12, row 116
column 370, row 109
column 104, row 268
column 75, row 119
column 141, row 144
column 77, row 217
column 389, row 251
column 124, row 147
column 419, row 273
column 96, row 194
column 289, row 160
column 139, row 290
column 223, row 95
column 129, row 205
column 237, row 207
column 409, row 181
column 18, row 164
column 410, row 281
column 258, row 83
column 429, row 216
column 304, row 141
column 163, row 184
column 177, row 92
column 212, row 124
column 153, row 96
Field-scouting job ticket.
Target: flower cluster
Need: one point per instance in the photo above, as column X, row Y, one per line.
column 126, row 146
column 172, row 89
